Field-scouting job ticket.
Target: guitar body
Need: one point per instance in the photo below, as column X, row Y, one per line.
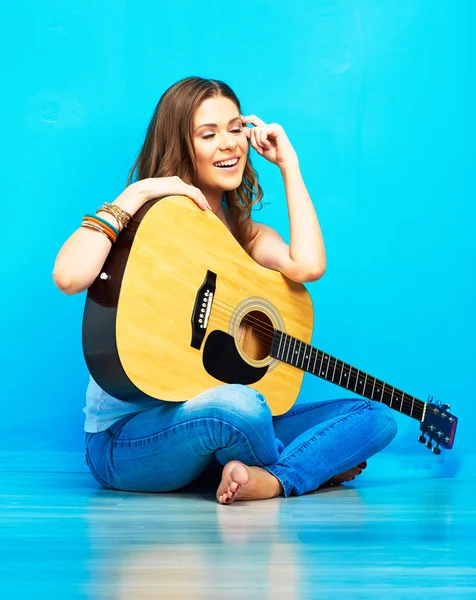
column 138, row 332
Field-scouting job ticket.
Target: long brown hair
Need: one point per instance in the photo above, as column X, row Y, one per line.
column 168, row 148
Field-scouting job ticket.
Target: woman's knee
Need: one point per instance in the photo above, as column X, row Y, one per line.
column 231, row 401
column 383, row 421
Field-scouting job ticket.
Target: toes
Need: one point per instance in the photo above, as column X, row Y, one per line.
column 227, row 497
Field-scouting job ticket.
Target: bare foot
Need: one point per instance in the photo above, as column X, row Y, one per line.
column 346, row 475
column 241, row 482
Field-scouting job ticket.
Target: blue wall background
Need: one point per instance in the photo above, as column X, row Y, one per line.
column 377, row 97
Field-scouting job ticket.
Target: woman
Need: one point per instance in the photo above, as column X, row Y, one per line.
column 197, row 145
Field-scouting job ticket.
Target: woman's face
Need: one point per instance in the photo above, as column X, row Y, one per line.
column 218, row 135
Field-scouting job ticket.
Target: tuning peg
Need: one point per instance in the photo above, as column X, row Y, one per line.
column 445, row 406
column 429, row 444
column 422, row 438
column 436, row 450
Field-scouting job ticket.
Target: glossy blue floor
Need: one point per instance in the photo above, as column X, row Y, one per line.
column 64, row 537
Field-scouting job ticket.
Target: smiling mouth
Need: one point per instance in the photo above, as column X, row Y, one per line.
column 227, row 164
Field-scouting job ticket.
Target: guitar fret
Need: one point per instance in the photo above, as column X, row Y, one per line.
column 279, row 347
column 303, row 356
column 307, row 358
column 351, row 375
column 388, row 395
column 309, row 354
column 289, row 347
column 341, row 371
column 320, row 366
column 334, row 371
column 327, row 368
column 379, row 389
column 356, row 380
column 315, row 359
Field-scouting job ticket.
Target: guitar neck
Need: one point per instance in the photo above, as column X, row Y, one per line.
column 294, row 352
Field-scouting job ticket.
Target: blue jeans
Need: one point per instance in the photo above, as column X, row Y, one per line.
column 171, row 445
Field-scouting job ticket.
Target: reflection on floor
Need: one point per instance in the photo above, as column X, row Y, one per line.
column 64, row 537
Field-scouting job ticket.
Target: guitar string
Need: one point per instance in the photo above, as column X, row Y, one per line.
column 400, row 401
column 316, row 353
column 399, row 395
column 266, row 329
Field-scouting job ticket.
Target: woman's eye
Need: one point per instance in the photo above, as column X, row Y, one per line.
column 210, row 135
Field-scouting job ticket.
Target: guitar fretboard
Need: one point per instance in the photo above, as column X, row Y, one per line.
column 307, row 358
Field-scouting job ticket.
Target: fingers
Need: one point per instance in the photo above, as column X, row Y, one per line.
column 254, row 142
column 191, row 191
column 198, row 197
column 258, row 135
column 259, row 139
column 264, row 139
column 253, row 119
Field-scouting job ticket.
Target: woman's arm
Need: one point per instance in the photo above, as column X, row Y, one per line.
column 304, row 259
column 82, row 256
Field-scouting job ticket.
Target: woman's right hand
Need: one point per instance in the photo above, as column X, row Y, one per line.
column 158, row 187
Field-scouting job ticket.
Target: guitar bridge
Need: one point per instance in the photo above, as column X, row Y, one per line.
column 202, row 308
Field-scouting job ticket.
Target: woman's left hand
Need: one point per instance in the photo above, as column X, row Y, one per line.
column 270, row 141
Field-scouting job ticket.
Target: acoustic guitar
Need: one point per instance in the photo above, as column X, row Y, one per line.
column 179, row 307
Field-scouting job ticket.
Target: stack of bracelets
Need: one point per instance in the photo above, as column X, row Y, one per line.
column 94, row 222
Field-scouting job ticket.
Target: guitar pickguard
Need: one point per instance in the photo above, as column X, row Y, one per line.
column 222, row 361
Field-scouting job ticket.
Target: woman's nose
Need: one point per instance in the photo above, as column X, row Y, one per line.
column 227, row 140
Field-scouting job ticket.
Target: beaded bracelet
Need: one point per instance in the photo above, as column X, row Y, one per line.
column 121, row 215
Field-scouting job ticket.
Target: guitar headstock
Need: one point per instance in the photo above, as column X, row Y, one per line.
column 440, row 426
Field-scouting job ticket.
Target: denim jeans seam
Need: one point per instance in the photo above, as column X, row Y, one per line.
column 154, row 438
column 373, row 439
column 311, row 439
column 278, row 473
column 313, row 407
column 94, row 473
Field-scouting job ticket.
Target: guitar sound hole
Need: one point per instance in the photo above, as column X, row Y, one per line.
column 255, row 335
